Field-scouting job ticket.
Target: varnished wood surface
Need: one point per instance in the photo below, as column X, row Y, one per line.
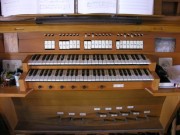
column 162, row 25
column 38, row 111
column 8, row 112
column 34, row 42
column 1, row 43
column 13, row 91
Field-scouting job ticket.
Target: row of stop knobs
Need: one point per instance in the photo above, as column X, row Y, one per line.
column 72, row 87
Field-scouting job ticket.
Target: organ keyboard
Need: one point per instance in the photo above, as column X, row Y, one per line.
column 86, row 75
column 88, row 59
column 89, row 72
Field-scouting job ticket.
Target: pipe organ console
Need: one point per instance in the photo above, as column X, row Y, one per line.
column 93, row 63
column 92, row 82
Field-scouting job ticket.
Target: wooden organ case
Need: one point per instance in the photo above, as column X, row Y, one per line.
column 90, row 78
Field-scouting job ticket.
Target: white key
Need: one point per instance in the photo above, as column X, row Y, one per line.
column 65, row 61
column 90, row 75
column 80, row 59
column 93, row 78
column 28, row 77
column 104, row 61
column 53, row 75
column 85, row 76
column 80, row 75
column 69, row 75
column 64, row 75
column 41, row 78
column 46, row 77
column 119, row 77
column 131, row 61
column 61, row 78
column 107, row 78
column 133, row 76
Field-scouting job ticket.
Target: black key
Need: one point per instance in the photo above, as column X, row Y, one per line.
column 33, row 57
column 62, row 57
column 123, row 57
column 108, row 57
column 94, row 57
column 38, row 56
column 46, row 71
column 87, row 56
column 50, row 72
column 61, row 72
column 109, row 72
column 58, row 57
column 103, row 73
column 124, row 71
column 44, row 57
column 94, row 72
column 41, row 73
column 98, row 72
column 69, row 57
column 112, row 57
column 139, row 71
column 68, row 72
column 52, row 56
column 120, row 72
column 126, row 56
column 102, row 58
column 133, row 57
column 48, row 56
column 135, row 72
column 144, row 58
column 57, row 72
column 119, row 57
column 137, row 57
column 83, row 72
column 98, row 57
column 35, row 72
column 145, row 71
column 114, row 72
column 73, row 57
column 76, row 72
column 129, row 72
column 87, row 72
column 77, row 56
column 83, row 57
column 31, row 72
column 72, row 72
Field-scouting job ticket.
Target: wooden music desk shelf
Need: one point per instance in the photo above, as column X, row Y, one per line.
column 13, row 92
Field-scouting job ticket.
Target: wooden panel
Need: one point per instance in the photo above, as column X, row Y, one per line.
column 10, row 42
column 1, row 43
column 38, row 111
column 170, row 106
column 8, row 112
column 34, row 42
column 157, row 7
